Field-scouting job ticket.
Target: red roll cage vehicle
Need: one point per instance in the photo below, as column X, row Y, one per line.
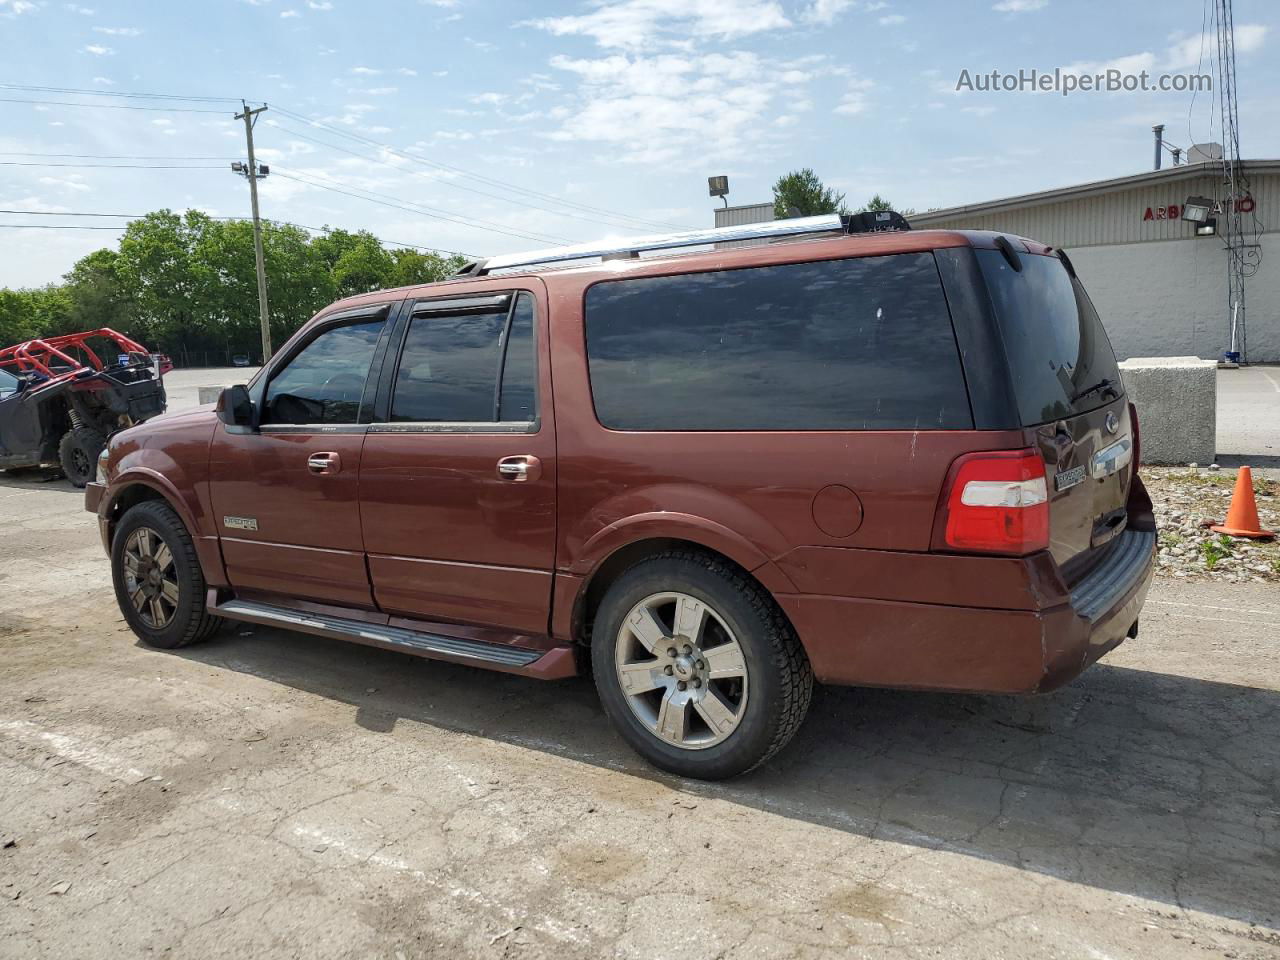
column 60, row 399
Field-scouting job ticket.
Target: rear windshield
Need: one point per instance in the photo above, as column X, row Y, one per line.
column 1055, row 343
column 862, row 344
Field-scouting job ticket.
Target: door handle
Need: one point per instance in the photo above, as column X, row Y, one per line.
column 519, row 469
column 324, row 463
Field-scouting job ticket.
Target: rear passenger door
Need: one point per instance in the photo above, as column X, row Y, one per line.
column 458, row 479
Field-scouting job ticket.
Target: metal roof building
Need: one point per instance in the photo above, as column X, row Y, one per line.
column 1160, row 288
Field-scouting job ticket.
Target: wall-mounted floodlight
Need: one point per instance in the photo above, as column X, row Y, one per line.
column 719, row 187
column 1196, row 209
column 1208, row 228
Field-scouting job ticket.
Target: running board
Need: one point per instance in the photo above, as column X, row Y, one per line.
column 476, row 652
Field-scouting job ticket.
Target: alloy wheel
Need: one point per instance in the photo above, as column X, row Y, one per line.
column 151, row 578
column 681, row 670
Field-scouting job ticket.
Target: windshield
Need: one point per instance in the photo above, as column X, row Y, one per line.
column 1060, row 358
column 8, row 384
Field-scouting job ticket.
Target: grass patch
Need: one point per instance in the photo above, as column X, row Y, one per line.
column 1215, row 550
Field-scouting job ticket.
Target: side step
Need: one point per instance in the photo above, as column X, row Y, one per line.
column 477, row 652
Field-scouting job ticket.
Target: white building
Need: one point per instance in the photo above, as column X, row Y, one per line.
column 1161, row 289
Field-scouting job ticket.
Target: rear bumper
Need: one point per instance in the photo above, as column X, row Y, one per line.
column 933, row 646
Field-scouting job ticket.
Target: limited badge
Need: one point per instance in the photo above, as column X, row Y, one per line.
column 1068, row 478
column 240, row 523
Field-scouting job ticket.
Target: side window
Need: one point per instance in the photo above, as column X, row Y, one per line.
column 519, row 395
column 450, row 366
column 857, row 344
column 325, row 381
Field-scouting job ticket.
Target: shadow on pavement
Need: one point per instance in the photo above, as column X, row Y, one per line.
column 1141, row 783
column 1260, row 460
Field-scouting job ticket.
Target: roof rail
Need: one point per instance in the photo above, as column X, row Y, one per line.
column 633, row 246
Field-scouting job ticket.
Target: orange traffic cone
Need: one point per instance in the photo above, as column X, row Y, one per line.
column 1242, row 518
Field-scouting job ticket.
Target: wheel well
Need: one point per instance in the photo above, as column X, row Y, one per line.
column 127, row 499
column 623, row 559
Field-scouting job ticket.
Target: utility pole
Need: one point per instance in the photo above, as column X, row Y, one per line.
column 253, row 173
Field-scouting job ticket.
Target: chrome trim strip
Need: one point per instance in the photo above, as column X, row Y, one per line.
column 319, row 429
column 521, row 426
column 692, row 238
column 377, row 635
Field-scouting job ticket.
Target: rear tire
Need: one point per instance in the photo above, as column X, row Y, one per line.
column 78, row 452
column 159, row 585
column 737, row 686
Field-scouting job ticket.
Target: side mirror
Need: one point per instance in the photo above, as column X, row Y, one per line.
column 235, row 409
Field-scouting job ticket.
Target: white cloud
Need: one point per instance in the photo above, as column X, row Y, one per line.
column 287, row 14
column 98, row 50
column 826, row 11
column 979, row 111
column 1186, row 50
column 854, row 100
column 14, row 8
column 1020, row 6
column 489, row 99
column 639, row 24
column 406, row 71
column 70, row 182
column 104, row 81
column 380, row 91
column 162, row 122
column 83, row 11
column 118, row 31
column 892, row 20
column 439, row 3
column 666, row 107
column 319, row 4
column 365, row 71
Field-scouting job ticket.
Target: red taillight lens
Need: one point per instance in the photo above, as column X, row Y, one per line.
column 1137, row 438
column 996, row 502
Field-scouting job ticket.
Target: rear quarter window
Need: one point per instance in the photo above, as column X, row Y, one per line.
column 851, row 344
column 1055, row 343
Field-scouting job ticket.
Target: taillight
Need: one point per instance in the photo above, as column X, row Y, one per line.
column 995, row 502
column 1137, row 438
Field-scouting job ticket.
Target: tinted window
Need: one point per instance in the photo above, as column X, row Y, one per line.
column 835, row 345
column 520, row 370
column 449, row 368
column 8, row 383
column 1053, row 338
column 325, row 381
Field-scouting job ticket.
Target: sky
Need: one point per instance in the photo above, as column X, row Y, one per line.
column 490, row 127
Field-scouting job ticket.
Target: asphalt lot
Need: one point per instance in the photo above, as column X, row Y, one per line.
column 268, row 794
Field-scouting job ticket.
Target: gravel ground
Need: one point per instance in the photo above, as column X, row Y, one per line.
column 1187, row 501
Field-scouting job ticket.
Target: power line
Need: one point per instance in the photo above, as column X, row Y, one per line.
column 114, row 93
column 460, row 171
column 110, row 166
column 110, row 106
column 421, row 210
column 225, row 219
column 104, row 156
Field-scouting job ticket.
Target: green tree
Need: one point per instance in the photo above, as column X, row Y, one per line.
column 803, row 192
column 878, row 203
column 98, row 298
column 411, row 267
column 17, row 319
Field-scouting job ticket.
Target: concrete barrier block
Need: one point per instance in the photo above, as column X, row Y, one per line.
column 1177, row 402
column 209, row 394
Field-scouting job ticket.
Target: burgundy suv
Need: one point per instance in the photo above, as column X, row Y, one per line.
column 897, row 459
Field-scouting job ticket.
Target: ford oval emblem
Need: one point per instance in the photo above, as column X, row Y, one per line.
column 1113, row 423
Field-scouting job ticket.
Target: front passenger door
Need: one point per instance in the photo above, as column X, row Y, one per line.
column 285, row 494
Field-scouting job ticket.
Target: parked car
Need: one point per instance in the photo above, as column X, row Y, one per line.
column 240, row 360
column 62, row 397
column 901, row 459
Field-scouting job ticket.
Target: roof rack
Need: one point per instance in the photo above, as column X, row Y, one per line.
column 633, row 246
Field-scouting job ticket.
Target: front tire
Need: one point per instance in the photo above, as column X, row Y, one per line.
column 78, row 453
column 697, row 667
column 159, row 585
